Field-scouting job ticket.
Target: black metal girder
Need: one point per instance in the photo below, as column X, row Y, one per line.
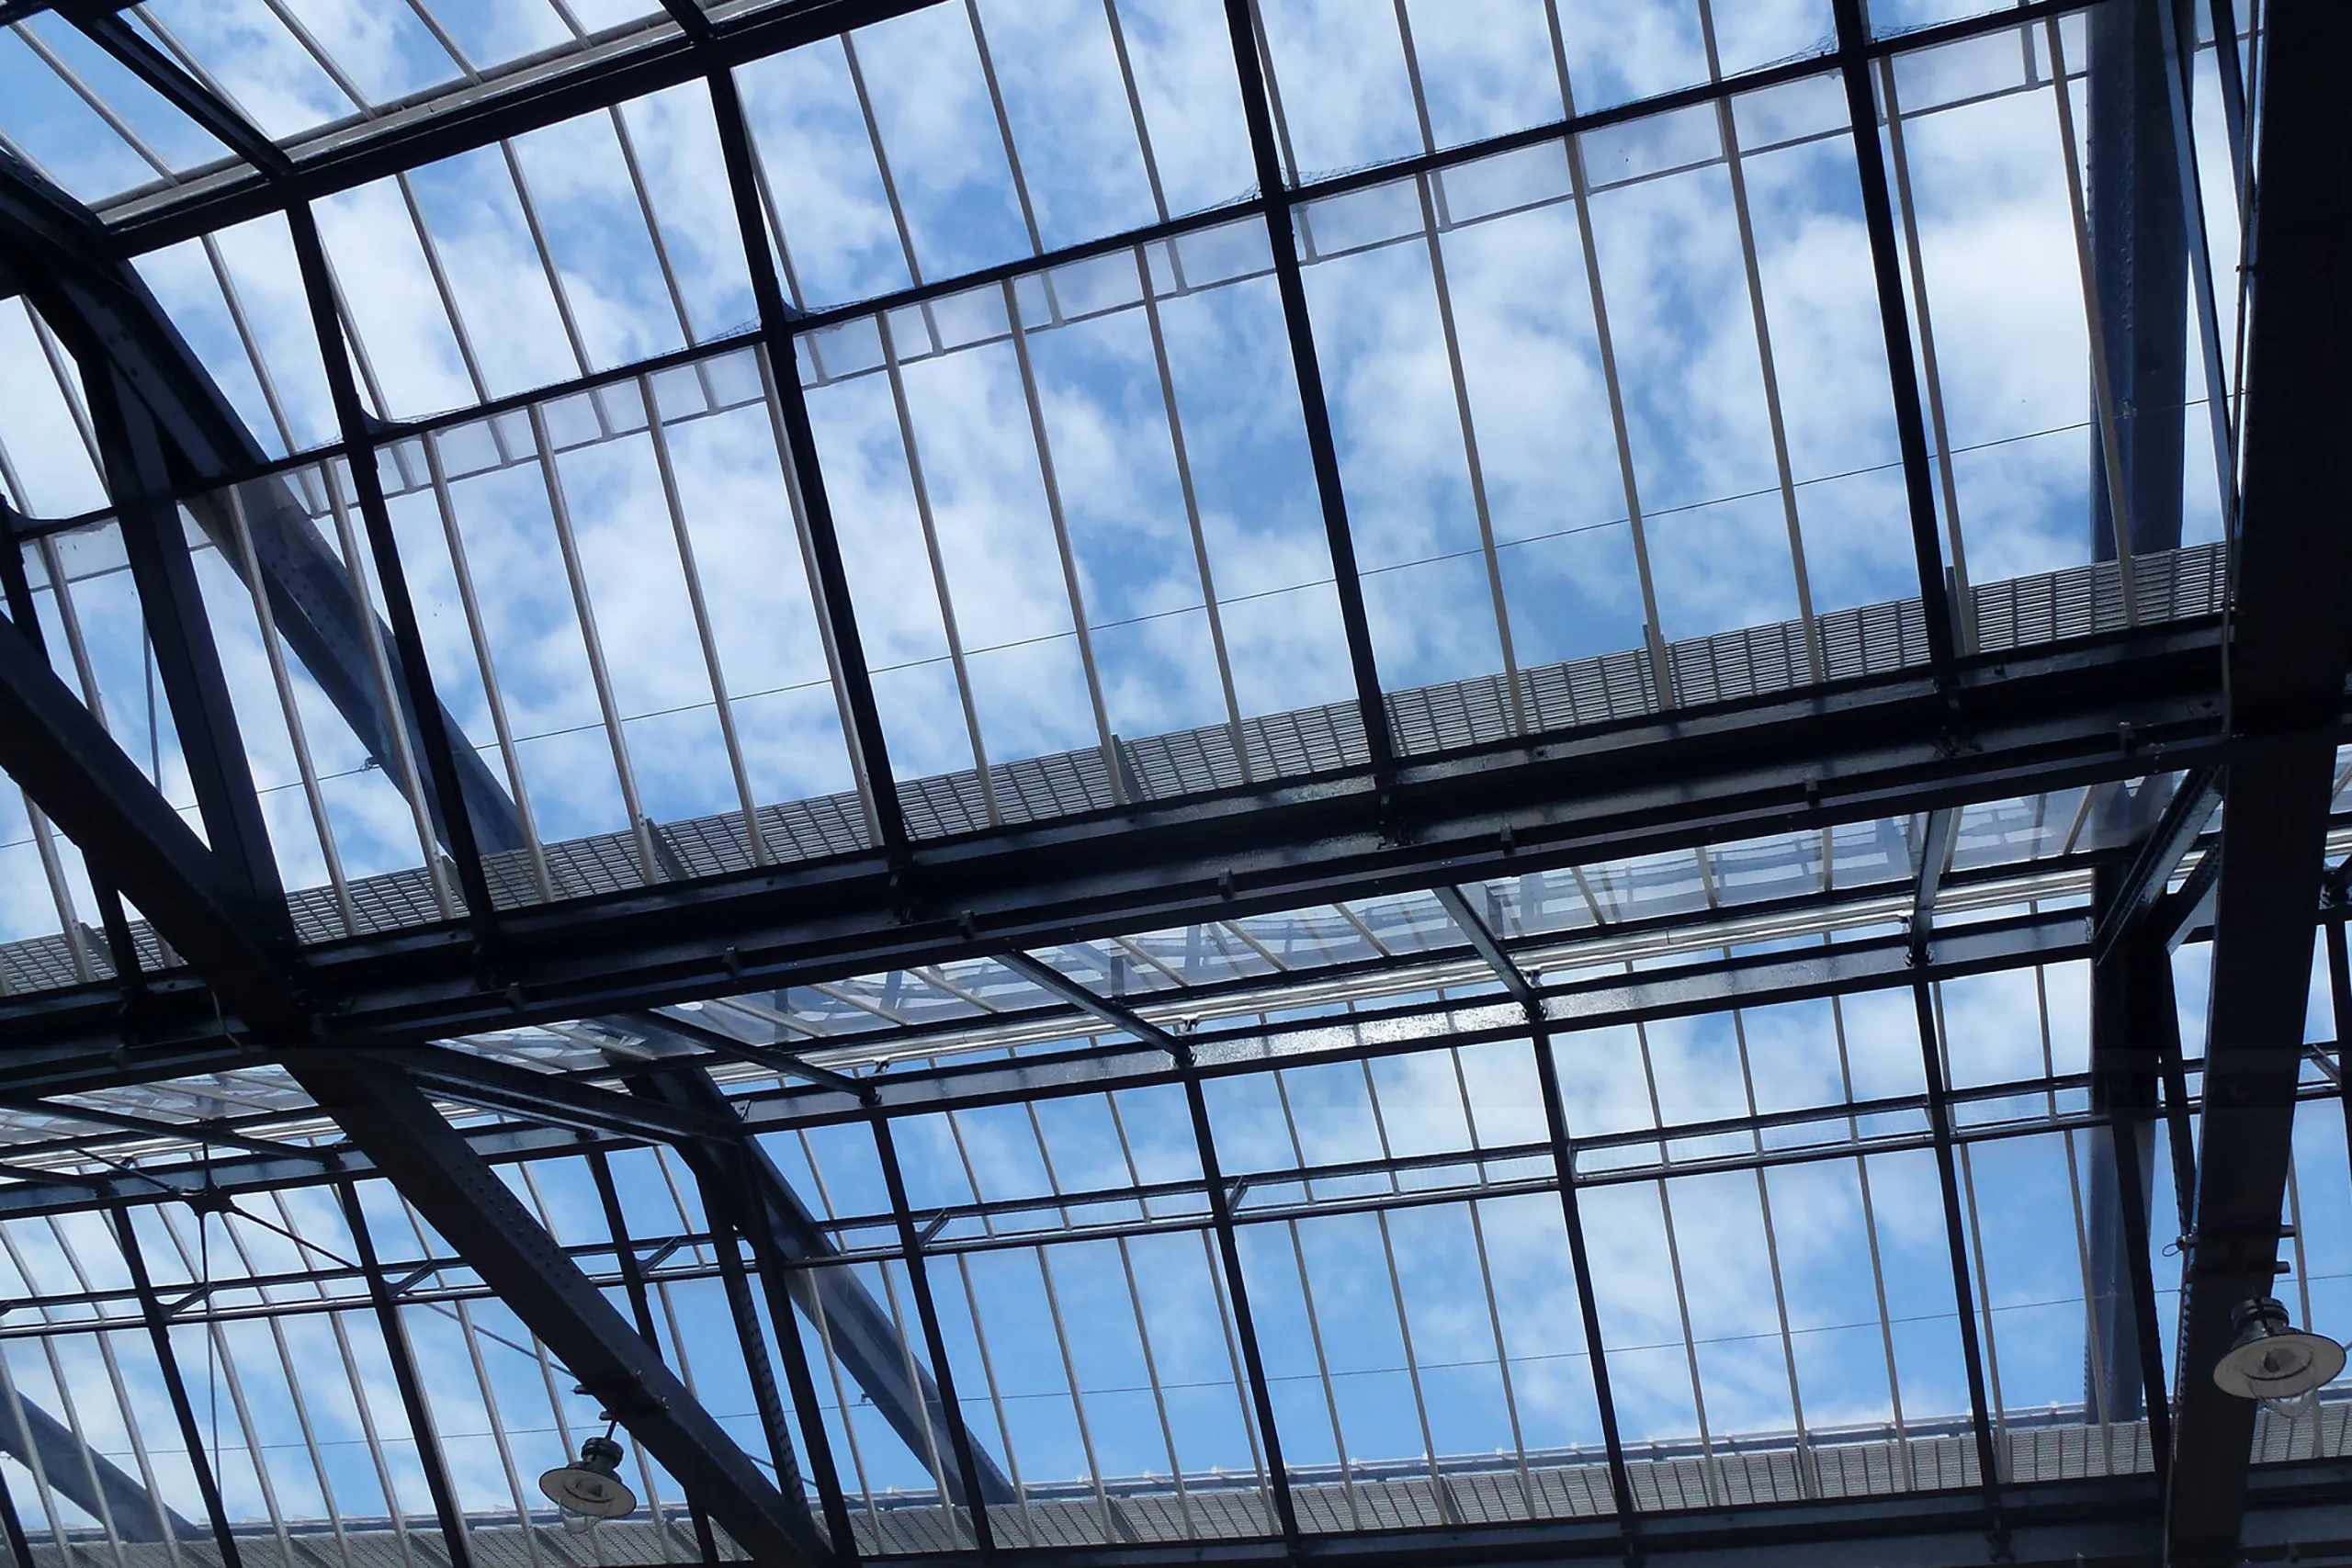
column 560, row 1101
column 58, row 751
column 110, row 311
column 186, row 661
column 1895, row 322
column 2141, row 891
column 1707, row 985
column 101, row 308
column 84, row 1477
column 2286, row 660
column 2135, row 1033
column 105, row 27
column 389, row 1117
column 2037, row 722
column 864, row 1337
column 2106, row 1523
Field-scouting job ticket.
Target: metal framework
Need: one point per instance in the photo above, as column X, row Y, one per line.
column 1673, row 1051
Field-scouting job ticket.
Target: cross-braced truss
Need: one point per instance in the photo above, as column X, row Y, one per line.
column 1598, row 827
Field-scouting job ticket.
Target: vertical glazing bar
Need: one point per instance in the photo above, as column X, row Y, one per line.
column 921, row 490
column 2179, row 51
column 1134, row 110
column 1430, row 225
column 20, row 1550
column 493, row 695
column 819, row 1321
column 401, row 764
column 1143, row 1335
column 1903, row 376
column 554, row 274
column 1955, row 1233
column 1605, row 344
column 440, row 273
column 1908, row 1466
column 775, row 1279
column 1728, row 134
column 1322, row 449
column 217, row 1352
column 266, row 623
column 296, row 1401
column 585, row 608
column 1020, row 334
column 159, row 1334
column 412, row 1404
column 245, row 339
column 988, row 1360
column 703, row 633
column 1191, row 502
column 1808, row 1478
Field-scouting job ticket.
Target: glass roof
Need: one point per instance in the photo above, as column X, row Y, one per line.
column 1611, row 411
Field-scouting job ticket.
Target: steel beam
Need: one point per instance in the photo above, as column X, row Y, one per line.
column 2293, row 622
column 1703, row 985
column 640, row 1306
column 1563, row 1167
column 416, row 1409
column 390, row 1118
column 332, row 634
column 167, row 1366
column 57, row 749
column 2135, row 1030
column 845, row 644
column 554, row 1098
column 103, row 306
column 2052, row 720
column 1894, row 322
column 2139, row 241
column 1982, row 1415
column 2140, row 893
column 2057, row 1525
column 752, row 1196
column 104, row 27
column 83, row 1477
column 1281, row 235
column 187, row 661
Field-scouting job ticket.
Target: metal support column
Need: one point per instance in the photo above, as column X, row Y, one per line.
column 2291, row 623
column 2133, row 1027
column 2140, row 269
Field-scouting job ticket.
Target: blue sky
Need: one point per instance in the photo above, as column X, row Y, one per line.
column 642, row 607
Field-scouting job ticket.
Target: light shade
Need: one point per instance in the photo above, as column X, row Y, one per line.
column 591, row 1489
column 2273, row 1360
